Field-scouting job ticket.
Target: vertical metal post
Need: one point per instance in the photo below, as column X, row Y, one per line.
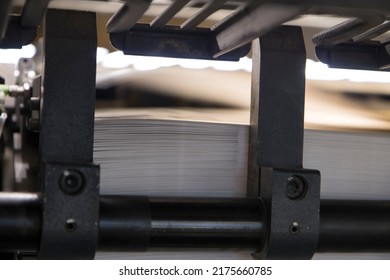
column 70, row 180
column 290, row 193
column 67, row 123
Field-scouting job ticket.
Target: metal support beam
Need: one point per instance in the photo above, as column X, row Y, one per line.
column 279, row 89
column 70, row 181
column 291, row 194
column 67, row 126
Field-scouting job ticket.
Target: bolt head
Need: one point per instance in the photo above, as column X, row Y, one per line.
column 296, row 187
column 71, row 181
column 70, row 225
column 294, row 228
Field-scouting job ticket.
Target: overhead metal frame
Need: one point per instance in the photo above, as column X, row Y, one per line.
column 18, row 31
column 250, row 20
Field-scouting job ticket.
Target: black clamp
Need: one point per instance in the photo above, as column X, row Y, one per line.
column 290, row 193
column 292, row 201
column 70, row 211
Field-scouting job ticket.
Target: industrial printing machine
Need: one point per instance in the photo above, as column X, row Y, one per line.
column 60, row 214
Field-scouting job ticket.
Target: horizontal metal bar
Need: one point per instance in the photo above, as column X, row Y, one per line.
column 186, row 224
column 171, row 42
column 354, row 226
column 135, row 223
column 20, row 221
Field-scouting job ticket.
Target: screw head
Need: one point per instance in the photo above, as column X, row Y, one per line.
column 71, row 181
column 70, row 225
column 296, row 187
column 294, row 228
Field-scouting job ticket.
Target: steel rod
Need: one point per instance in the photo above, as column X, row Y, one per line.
column 20, row 221
column 134, row 223
column 354, row 226
column 180, row 223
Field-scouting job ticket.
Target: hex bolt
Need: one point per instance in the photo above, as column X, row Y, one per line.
column 296, row 187
column 71, row 181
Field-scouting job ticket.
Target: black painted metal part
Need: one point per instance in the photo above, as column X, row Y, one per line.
column 17, row 36
column 291, row 194
column 70, row 180
column 170, row 41
column 17, row 31
column 368, row 55
column 191, row 223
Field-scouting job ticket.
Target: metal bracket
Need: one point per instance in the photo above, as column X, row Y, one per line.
column 292, row 200
column 70, row 211
column 70, row 181
column 171, row 41
column 368, row 55
column 290, row 193
column 16, row 35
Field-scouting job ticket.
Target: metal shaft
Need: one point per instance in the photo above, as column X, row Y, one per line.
column 354, row 226
column 135, row 223
column 141, row 223
column 20, row 221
